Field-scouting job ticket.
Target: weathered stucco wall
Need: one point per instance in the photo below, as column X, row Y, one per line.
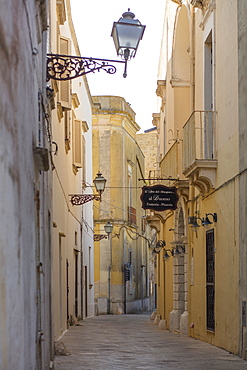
column 24, row 208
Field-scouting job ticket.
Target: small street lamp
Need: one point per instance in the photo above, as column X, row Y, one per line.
column 99, row 183
column 126, row 33
column 79, row 199
column 204, row 221
column 108, row 229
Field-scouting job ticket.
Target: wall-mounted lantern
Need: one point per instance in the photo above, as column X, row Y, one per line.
column 79, row 199
column 205, row 222
column 159, row 246
column 174, row 252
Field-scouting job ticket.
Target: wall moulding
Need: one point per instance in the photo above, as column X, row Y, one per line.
column 210, row 9
column 202, row 4
column 176, row 82
column 179, row 2
column 61, row 12
column 154, row 220
column 156, row 119
column 161, row 88
column 183, row 189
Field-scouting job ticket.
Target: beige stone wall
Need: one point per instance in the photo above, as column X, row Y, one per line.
column 117, row 155
column 148, row 143
column 72, row 233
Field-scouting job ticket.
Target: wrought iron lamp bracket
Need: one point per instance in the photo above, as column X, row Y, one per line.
column 68, row 67
column 79, row 199
column 168, row 253
column 98, row 237
column 179, row 249
column 158, row 247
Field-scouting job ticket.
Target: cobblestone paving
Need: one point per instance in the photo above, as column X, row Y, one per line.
column 134, row 342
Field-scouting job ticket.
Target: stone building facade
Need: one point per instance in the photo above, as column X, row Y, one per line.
column 202, row 126
column 72, row 231
column 25, row 183
column 122, row 262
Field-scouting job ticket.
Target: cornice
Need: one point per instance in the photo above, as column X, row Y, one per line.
column 179, row 2
column 156, row 119
column 210, row 9
column 61, row 13
column 202, row 4
column 177, row 82
column 161, row 88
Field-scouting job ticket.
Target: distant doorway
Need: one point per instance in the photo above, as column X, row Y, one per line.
column 67, row 288
column 76, row 284
column 210, row 276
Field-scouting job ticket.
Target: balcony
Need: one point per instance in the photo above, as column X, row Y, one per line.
column 199, row 150
column 171, row 167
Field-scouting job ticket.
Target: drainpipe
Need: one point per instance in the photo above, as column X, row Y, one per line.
column 192, row 60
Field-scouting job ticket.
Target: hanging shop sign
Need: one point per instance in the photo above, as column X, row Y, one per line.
column 159, row 197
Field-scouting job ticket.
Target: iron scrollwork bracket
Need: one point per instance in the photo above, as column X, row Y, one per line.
column 98, row 237
column 79, row 199
column 67, row 67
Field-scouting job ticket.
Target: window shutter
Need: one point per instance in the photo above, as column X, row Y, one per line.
column 83, row 157
column 64, row 88
column 77, row 143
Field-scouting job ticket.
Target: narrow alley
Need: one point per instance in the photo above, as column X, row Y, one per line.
column 134, row 342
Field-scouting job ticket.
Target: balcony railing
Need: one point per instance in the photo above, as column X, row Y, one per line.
column 199, row 134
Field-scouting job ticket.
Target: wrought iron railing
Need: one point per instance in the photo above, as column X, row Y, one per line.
column 199, row 134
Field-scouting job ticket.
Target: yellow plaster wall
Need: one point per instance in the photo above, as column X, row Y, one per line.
column 224, row 198
column 114, row 148
column 226, row 271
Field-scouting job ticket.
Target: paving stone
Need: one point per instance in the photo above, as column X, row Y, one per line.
column 117, row 342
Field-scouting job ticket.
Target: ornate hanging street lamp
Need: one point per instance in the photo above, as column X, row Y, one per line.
column 79, row 199
column 126, row 33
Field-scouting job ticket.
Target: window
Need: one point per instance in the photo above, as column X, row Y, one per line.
column 130, row 184
column 64, row 86
column 208, row 98
column 210, row 279
column 77, row 143
column 131, row 209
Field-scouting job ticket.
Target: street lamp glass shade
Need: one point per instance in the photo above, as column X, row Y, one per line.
column 99, row 183
column 176, row 251
column 195, row 226
column 108, row 228
column 127, row 33
column 166, row 256
column 206, row 223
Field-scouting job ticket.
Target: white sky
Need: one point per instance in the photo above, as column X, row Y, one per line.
column 93, row 22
